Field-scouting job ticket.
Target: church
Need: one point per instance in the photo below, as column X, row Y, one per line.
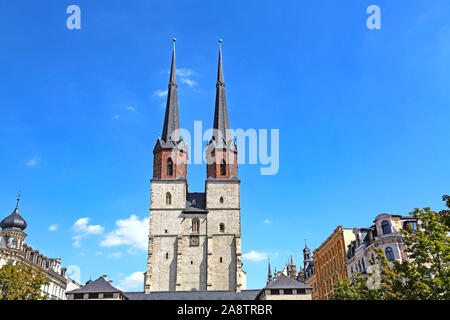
column 195, row 237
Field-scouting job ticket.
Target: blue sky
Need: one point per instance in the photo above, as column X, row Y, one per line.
column 363, row 118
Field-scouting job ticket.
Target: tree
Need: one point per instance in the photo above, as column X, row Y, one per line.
column 426, row 273
column 20, row 282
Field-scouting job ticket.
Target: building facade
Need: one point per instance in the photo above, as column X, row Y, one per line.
column 14, row 250
column 329, row 261
column 309, row 273
column 384, row 234
column 195, row 237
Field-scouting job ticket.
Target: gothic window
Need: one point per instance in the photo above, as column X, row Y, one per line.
column 222, row 227
column 14, row 243
column 389, row 254
column 195, row 225
column 169, row 167
column 223, row 168
column 386, row 227
column 168, row 198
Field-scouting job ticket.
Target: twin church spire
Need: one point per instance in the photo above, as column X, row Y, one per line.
column 170, row 139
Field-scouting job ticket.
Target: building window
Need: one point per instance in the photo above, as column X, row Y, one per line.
column 274, row 292
column 108, row 295
column 287, row 291
column 386, row 227
column 169, row 167
column 167, row 255
column 223, row 168
column 195, row 225
column 78, row 296
column 14, row 243
column 389, row 254
column 93, row 295
column 221, row 260
column 221, row 200
column 47, row 264
column 168, row 198
column 222, row 227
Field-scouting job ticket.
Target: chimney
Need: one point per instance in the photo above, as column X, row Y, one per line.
column 105, row 277
column 110, row 282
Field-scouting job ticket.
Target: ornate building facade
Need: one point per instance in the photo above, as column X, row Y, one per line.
column 195, row 237
column 329, row 261
column 14, row 250
column 384, row 234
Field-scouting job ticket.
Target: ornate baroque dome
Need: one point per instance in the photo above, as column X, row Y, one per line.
column 14, row 220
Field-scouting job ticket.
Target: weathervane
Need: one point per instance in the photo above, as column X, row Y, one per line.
column 18, row 199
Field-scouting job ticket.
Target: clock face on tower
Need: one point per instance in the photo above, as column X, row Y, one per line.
column 194, row 241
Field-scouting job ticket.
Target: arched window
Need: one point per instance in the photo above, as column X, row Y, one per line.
column 169, row 167
column 389, row 254
column 195, row 225
column 386, row 227
column 222, row 227
column 167, row 255
column 221, row 260
column 223, row 168
column 168, row 198
column 14, row 243
column 221, row 199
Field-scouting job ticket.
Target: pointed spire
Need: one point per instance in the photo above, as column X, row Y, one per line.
column 221, row 124
column 171, row 119
column 18, row 199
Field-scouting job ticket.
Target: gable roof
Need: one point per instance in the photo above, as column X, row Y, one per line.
column 97, row 286
column 284, row 282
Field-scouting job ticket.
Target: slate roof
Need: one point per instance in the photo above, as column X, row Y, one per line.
column 194, row 295
column 14, row 221
column 221, row 136
column 97, row 286
column 195, row 203
column 284, row 282
column 171, row 119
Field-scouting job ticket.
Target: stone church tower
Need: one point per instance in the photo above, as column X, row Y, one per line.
column 195, row 238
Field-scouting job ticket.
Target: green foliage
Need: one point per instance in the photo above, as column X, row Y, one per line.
column 426, row 276
column 19, row 282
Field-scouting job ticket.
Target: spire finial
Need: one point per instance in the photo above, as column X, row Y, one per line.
column 18, row 199
column 174, row 40
column 306, row 246
column 220, row 43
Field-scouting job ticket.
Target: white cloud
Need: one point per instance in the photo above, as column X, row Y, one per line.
column 131, row 231
column 83, row 229
column 185, row 72
column 133, row 282
column 255, row 256
column 116, row 117
column 267, row 221
column 99, row 253
column 115, row 255
column 33, row 161
column 53, row 227
column 189, row 82
column 130, row 108
column 160, row 93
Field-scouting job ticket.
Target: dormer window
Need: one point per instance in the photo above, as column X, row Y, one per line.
column 223, row 168
column 14, row 243
column 386, row 227
column 169, row 167
column 168, row 198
